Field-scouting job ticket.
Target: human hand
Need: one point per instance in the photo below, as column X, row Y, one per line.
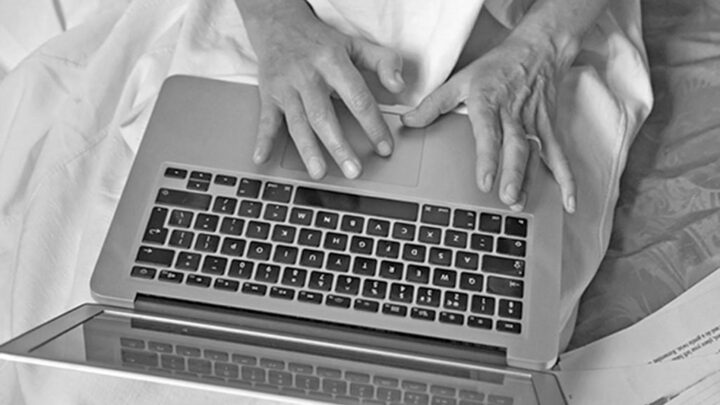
column 302, row 62
column 510, row 95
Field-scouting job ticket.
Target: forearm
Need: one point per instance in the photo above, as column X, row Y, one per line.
column 562, row 24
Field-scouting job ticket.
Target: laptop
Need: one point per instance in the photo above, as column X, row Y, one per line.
column 405, row 285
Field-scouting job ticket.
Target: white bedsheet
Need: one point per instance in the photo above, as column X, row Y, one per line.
column 73, row 113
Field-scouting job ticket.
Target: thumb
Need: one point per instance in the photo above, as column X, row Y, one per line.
column 383, row 61
column 443, row 100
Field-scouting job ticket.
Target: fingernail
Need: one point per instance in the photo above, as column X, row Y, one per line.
column 350, row 169
column 520, row 205
column 399, row 78
column 487, row 183
column 570, row 204
column 511, row 193
column 258, row 156
column 315, row 168
column 384, row 148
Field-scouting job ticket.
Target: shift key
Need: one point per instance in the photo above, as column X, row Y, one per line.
column 153, row 255
column 181, row 198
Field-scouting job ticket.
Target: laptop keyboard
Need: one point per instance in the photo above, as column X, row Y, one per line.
column 323, row 382
column 382, row 257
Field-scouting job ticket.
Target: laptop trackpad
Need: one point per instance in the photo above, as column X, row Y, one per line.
column 401, row 168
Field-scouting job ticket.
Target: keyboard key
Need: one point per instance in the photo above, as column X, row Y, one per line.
column 182, row 198
column 435, row 215
column 510, row 309
column 429, row 297
column 389, row 394
column 490, row 223
column 225, row 180
column 479, row 322
column 180, row 218
column 364, row 266
column 309, row 237
column 471, row 395
column 422, row 313
column 206, row 222
column 143, row 272
column 429, row 234
column 226, row 285
column 387, row 248
column 197, row 185
column 207, row 243
column 374, row 289
column 320, row 281
column 301, row 216
column 512, row 247
column 457, row 239
column 378, row 227
column 505, row 286
column 467, row 260
column 294, row 277
column 357, row 204
column 352, row 223
column 481, row 304
column 338, row 262
column 335, row 241
column 401, row 293
column 249, row 209
column 361, row 245
column 362, row 390
column 181, row 239
column 155, row 232
column 391, row 270
column 284, row 234
column 198, row 280
column 464, row 219
column 395, row 310
column 202, row 176
column 282, row 293
column 171, row 276
column 267, row 273
column 337, row 301
column 516, row 226
column 510, row 327
column 233, row 247
column 471, row 282
column 414, row 253
column 187, row 261
column 214, row 265
column 224, row 205
column 275, row 212
column 481, row 242
column 416, row 398
column 347, row 285
column 277, row 192
column 226, row 370
column 418, row 274
column 444, row 278
column 254, row 289
column 285, row 254
column 311, row 297
column 403, row 231
column 455, row 300
column 249, row 188
column 241, row 269
column 312, row 258
column 257, row 230
column 366, row 305
column 259, row 251
column 176, row 173
column 440, row 256
column 253, row 374
column 451, row 318
column 152, row 255
column 505, row 266
column 326, row 220
column 139, row 358
column 307, row 382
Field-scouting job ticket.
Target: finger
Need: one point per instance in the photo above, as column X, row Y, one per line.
column 555, row 158
column 441, row 101
column 322, row 119
column 303, row 137
column 384, row 61
column 352, row 90
column 515, row 153
column 267, row 131
column 488, row 139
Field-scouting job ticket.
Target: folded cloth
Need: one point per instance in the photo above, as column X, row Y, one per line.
column 73, row 113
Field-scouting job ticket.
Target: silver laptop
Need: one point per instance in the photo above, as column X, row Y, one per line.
column 406, row 285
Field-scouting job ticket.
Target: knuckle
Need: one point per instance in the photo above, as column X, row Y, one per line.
column 318, row 116
column 362, row 102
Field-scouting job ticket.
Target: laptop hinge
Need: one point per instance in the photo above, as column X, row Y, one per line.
column 327, row 334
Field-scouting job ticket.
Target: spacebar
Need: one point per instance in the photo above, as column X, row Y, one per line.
column 359, row 204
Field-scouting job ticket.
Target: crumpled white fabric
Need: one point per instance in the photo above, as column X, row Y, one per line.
column 72, row 115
